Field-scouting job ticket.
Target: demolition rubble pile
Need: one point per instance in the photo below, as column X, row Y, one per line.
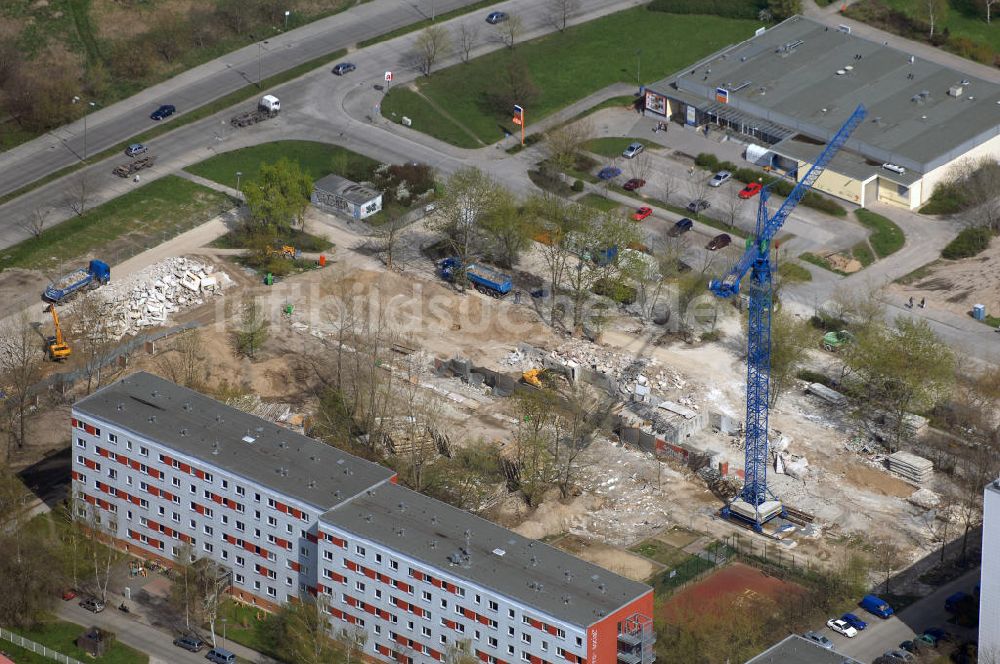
column 148, row 297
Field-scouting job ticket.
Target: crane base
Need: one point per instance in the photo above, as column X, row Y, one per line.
column 744, row 511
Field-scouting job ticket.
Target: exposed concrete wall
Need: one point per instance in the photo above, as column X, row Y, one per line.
column 836, row 184
column 990, row 148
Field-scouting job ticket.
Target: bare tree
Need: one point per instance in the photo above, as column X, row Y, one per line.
column 639, row 166
column 886, row 558
column 386, row 240
column 352, row 641
column 560, row 12
column 35, row 222
column 186, row 362
column 95, row 340
column 78, row 195
column 988, row 6
column 586, row 410
column 698, row 187
column 732, row 208
column 933, row 12
column 668, row 185
column 306, row 634
column 564, row 143
column 252, row 330
column 20, row 369
column 432, row 42
column 103, row 529
column 510, row 31
column 467, row 38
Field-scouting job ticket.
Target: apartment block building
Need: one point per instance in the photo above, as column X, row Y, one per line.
column 989, row 590
column 163, row 470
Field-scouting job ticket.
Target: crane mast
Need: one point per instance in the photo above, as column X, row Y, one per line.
column 756, row 504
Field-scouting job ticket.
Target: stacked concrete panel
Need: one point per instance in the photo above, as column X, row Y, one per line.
column 910, row 466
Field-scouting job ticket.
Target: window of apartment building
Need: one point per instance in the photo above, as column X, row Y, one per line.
column 175, row 481
column 271, row 521
column 112, row 473
column 160, row 510
column 207, row 547
column 209, row 513
column 208, row 477
column 241, row 561
column 545, row 646
column 256, row 533
column 256, row 585
column 256, row 497
column 128, row 480
column 378, row 630
column 193, row 524
column 510, row 613
column 360, row 550
column 460, row 628
column 112, row 438
column 271, row 503
column 205, row 493
column 271, row 556
column 144, row 486
column 444, row 604
column 240, row 491
column 207, row 529
column 358, row 585
column 426, row 631
column 240, row 578
column 510, row 650
column 288, row 581
column 493, row 605
column 510, row 631
column 225, row 554
column 256, row 514
column 327, row 555
column 525, row 637
column 393, row 565
column 378, row 558
column 460, row 591
column 143, row 451
column 128, row 515
column 492, row 641
column 176, row 517
column 443, row 639
column 579, row 642
column 143, row 503
column 161, row 458
column 240, row 526
column 426, row 596
column 193, row 489
column 225, row 520
column 143, row 521
column 176, row 500
column 128, row 445
column 288, row 529
column 493, row 624
column 81, row 443
column 525, row 657
column 144, row 469
column 378, row 594
column 409, row 625
column 305, row 552
column 225, row 484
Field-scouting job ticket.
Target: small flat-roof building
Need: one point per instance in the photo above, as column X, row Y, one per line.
column 791, row 87
column 336, row 194
column 796, row 650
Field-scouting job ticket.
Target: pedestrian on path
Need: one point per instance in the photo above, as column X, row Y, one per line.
column 911, row 302
column 923, row 301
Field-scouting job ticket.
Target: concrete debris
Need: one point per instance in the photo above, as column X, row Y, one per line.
column 268, row 410
column 148, row 297
column 925, row 498
column 911, row 467
column 797, row 468
column 825, row 393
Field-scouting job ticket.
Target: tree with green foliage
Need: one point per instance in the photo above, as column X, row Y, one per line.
column 782, row 9
column 277, row 199
column 901, row 368
column 469, row 197
column 791, row 339
column 300, row 631
column 506, row 229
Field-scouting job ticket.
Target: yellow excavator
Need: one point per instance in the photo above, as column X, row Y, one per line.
column 56, row 346
column 532, row 377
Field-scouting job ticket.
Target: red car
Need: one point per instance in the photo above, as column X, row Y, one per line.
column 642, row 213
column 751, row 190
column 68, row 594
column 633, row 184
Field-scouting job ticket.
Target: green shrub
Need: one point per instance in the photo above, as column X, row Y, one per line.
column 886, row 238
column 707, row 161
column 578, row 186
column 813, row 377
column 969, row 242
column 729, row 8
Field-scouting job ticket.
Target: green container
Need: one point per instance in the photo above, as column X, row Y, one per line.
column 268, row 279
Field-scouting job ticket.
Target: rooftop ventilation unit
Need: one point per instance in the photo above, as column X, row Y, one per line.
column 248, row 439
column 499, row 552
column 956, row 90
column 894, row 168
column 841, row 72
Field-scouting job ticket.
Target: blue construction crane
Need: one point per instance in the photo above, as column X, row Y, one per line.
column 753, row 504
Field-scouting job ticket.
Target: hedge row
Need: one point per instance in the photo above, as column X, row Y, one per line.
column 779, row 186
column 728, row 8
column 969, row 242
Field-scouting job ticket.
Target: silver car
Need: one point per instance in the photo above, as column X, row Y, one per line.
column 633, row 150
column 819, row 640
column 136, row 149
column 720, row 178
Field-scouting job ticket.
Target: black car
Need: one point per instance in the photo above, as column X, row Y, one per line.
column 93, row 604
column 698, row 205
column 497, row 17
column 344, row 68
column 192, row 643
column 720, row 241
column 163, row 112
column 681, row 227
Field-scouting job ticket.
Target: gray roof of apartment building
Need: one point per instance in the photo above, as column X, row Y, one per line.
column 808, row 77
column 796, row 650
column 214, row 433
column 524, row 570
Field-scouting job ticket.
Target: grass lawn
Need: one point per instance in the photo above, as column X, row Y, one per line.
column 60, row 635
column 600, row 202
column 661, row 552
column 403, row 101
column 793, row 273
column 810, row 257
column 887, row 238
column 304, row 241
column 243, row 627
column 613, row 146
column 958, row 23
column 147, row 215
column 863, row 253
column 316, row 159
column 599, row 59
column 420, row 25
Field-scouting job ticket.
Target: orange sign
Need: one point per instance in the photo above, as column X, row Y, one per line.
column 516, row 120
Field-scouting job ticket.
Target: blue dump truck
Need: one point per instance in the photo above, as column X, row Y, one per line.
column 484, row 279
column 63, row 289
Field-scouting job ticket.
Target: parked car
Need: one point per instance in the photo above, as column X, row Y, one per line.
column 876, row 606
column 836, row 339
column 720, row 179
column 191, row 643
column 915, row 646
column 642, row 213
column 609, row 173
column 68, row 594
column 819, row 640
column 937, row 634
column 497, row 17
column 841, row 627
column 894, row 656
column 342, row 68
column 633, row 150
column 720, row 241
column 136, row 148
column 93, row 604
column 698, row 205
column 751, row 190
column 163, row 112
column 854, row 621
column 681, row 227
column 633, row 184
column 220, row 656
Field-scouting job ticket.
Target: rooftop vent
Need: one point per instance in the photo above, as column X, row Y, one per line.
column 841, row 72
column 187, row 405
column 215, row 448
column 155, row 394
column 282, row 444
column 434, row 519
column 965, row 81
column 340, row 462
column 400, row 532
column 433, row 544
column 401, row 506
column 260, row 429
column 248, row 438
column 152, row 419
column 314, row 458
column 184, row 432
column 218, row 418
column 894, row 168
column 312, row 484
column 565, row 599
column 568, row 576
column 500, row 552
column 603, row 588
column 956, row 90
column 120, row 406
column 534, row 561
column 368, row 518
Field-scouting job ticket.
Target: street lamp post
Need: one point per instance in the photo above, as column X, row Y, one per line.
column 260, row 52
column 287, row 14
column 638, row 67
column 224, row 621
column 238, row 174
column 86, row 111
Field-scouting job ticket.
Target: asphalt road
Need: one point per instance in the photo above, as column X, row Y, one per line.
column 109, row 126
column 883, row 635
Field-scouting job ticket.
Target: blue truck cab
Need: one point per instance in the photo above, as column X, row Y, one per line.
column 876, row 606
